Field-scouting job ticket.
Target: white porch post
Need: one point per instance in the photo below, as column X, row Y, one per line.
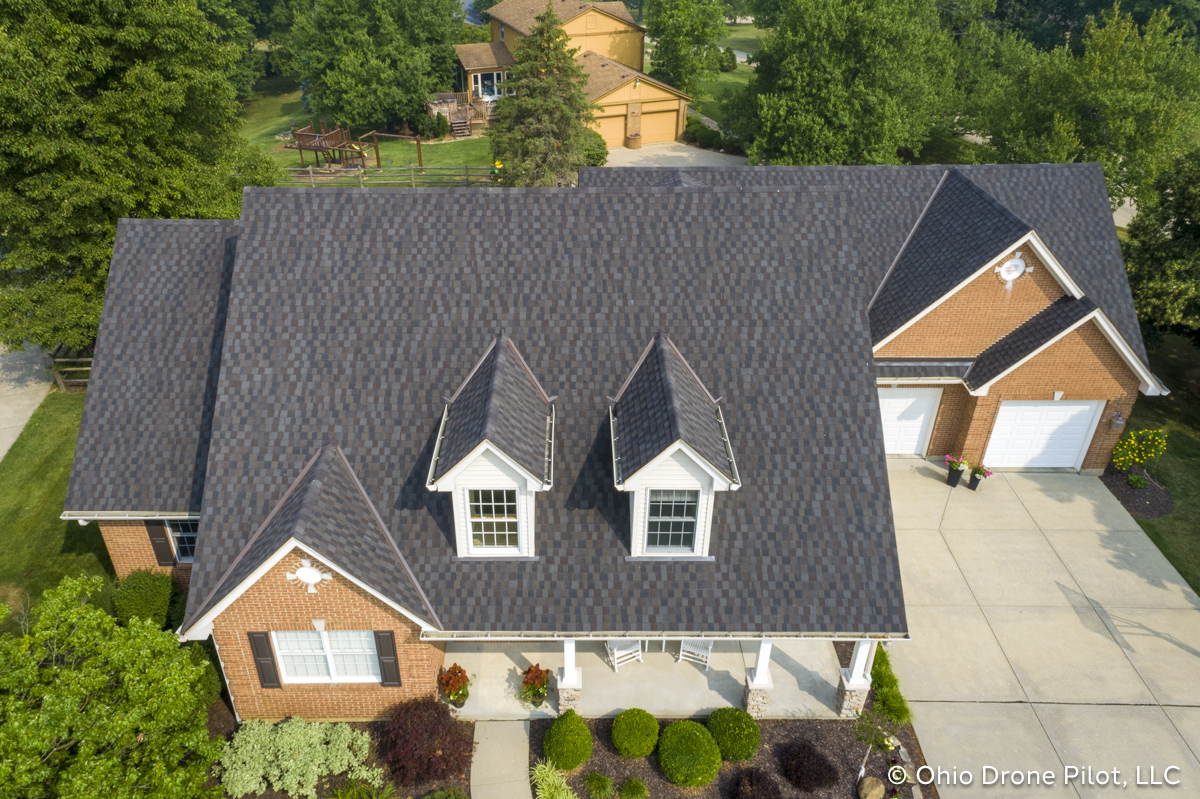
column 762, row 666
column 758, row 681
column 569, row 655
column 570, row 679
column 855, row 682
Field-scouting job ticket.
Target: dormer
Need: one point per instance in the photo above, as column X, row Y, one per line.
column 495, row 453
column 671, row 452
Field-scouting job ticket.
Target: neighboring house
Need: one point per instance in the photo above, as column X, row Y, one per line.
column 611, row 46
column 657, row 408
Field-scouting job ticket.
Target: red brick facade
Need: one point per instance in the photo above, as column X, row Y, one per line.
column 128, row 543
column 948, row 419
column 274, row 603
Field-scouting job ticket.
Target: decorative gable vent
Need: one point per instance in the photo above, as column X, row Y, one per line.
column 1012, row 269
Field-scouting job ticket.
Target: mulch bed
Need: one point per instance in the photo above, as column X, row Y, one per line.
column 835, row 738
column 1151, row 502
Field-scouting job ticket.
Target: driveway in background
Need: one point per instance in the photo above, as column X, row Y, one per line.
column 1047, row 631
column 671, row 154
column 24, row 382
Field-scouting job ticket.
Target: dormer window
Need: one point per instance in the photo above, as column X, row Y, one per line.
column 495, row 453
column 671, row 451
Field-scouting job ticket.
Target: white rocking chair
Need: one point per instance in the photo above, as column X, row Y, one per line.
column 696, row 650
column 623, row 650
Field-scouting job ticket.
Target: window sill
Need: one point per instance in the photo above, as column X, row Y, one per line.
column 681, row 558
column 501, row 558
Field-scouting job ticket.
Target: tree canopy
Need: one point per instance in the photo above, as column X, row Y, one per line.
column 1050, row 23
column 685, row 34
column 846, row 83
column 540, row 131
column 89, row 708
column 107, row 110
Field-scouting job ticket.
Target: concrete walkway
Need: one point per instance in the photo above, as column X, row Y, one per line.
column 24, row 382
column 671, row 154
column 500, row 768
column 1048, row 631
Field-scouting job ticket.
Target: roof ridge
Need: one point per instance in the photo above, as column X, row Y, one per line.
column 999, row 206
column 911, row 232
column 661, row 342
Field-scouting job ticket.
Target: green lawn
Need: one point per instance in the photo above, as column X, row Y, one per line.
column 1177, row 363
column 743, row 37
column 709, row 102
column 947, row 148
column 39, row 548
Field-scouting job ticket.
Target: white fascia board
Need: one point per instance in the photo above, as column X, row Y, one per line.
column 1054, row 265
column 118, row 515
column 446, row 481
column 202, row 627
column 720, row 481
column 1150, row 385
column 889, row 382
column 983, row 390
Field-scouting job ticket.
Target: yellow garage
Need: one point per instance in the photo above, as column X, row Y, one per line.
column 631, row 101
column 613, row 130
column 659, row 126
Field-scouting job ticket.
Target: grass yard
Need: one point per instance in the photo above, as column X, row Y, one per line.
column 1177, row 363
column 39, row 548
column 743, row 37
column 947, row 148
column 709, row 103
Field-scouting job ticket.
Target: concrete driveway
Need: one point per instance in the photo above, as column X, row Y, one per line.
column 24, row 382
column 671, row 154
column 1048, row 631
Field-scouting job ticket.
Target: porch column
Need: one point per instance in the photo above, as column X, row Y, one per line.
column 855, row 682
column 570, row 679
column 758, row 681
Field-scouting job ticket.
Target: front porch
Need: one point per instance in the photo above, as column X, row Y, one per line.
column 804, row 677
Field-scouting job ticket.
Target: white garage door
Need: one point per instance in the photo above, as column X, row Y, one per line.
column 908, row 415
column 1040, row 434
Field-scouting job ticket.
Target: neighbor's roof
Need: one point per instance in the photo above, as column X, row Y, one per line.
column 606, row 76
column 1040, row 329
column 661, row 402
column 521, row 15
column 1067, row 204
column 380, row 312
column 501, row 402
column 483, row 55
column 143, row 442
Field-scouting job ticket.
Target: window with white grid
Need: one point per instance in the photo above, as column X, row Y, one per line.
column 493, row 518
column 183, row 534
column 302, row 655
column 671, row 522
column 327, row 656
column 354, row 653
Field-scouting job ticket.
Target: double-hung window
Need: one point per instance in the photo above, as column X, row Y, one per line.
column 671, row 521
column 327, row 656
column 183, row 536
column 493, row 518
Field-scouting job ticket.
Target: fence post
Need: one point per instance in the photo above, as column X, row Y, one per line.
column 412, row 176
column 467, row 171
column 360, row 181
column 375, row 138
column 311, row 180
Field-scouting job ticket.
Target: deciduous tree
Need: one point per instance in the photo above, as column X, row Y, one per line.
column 685, row 34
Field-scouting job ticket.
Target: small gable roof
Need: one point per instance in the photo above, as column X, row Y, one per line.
column 327, row 509
column 661, row 402
column 521, row 15
column 961, row 229
column 606, row 76
column 481, row 55
column 503, row 403
column 1061, row 315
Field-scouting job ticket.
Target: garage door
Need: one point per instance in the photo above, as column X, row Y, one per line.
column 1040, row 434
column 908, row 415
column 613, row 130
column 659, row 126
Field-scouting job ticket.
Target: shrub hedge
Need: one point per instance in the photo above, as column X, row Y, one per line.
column 635, row 733
column 755, row 783
column 806, row 767
column 210, row 684
column 633, row 788
column 688, row 754
column 144, row 595
column 425, row 742
column 885, row 688
column 735, row 731
column 568, row 742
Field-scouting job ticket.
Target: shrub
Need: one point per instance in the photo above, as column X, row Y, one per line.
column 425, row 742
column 1136, row 481
column 728, row 60
column 209, row 686
column 358, row 789
column 635, row 733
column 176, row 608
column 692, row 128
column 688, row 754
column 293, row 757
column 1139, row 448
column 549, row 782
column 568, row 742
column 144, row 595
column 755, row 783
column 885, row 688
column 806, row 767
column 708, row 138
column 441, row 126
column 633, row 788
column 447, row 793
column 595, row 151
column 735, row 731
column 599, row 786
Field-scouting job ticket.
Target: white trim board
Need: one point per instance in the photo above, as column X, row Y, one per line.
column 720, row 481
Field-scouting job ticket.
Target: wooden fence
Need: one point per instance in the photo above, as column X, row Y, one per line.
column 72, row 385
column 413, row 177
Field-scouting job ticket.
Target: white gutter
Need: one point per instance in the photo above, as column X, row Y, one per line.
column 148, row 515
column 656, row 636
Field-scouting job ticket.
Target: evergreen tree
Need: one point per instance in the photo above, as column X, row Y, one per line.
column 540, row 131
column 685, row 34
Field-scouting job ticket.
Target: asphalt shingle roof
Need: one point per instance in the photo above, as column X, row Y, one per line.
column 605, row 75
column 1025, row 340
column 521, row 15
column 664, row 402
column 922, row 367
column 480, row 55
column 143, row 442
column 501, row 402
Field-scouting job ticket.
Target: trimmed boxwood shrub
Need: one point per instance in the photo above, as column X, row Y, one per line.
column 806, row 767
column 688, row 754
column 144, row 595
column 755, row 783
column 635, row 733
column 568, row 742
column 885, row 688
column 735, row 731
column 424, row 742
column 633, row 788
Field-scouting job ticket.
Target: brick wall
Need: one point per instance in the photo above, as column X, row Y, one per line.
column 977, row 316
column 949, row 415
column 274, row 603
column 128, row 544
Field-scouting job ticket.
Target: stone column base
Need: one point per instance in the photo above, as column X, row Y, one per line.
column 570, row 691
column 757, row 696
column 849, row 702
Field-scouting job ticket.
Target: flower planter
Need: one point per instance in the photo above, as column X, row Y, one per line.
column 633, row 141
column 458, row 703
column 975, row 481
column 954, row 477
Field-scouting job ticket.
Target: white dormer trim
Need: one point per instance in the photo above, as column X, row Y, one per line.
column 720, row 481
column 487, row 468
column 447, row 481
column 678, row 468
column 1035, row 243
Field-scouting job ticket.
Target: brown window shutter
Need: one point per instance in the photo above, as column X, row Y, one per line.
column 264, row 659
column 385, row 648
column 160, row 541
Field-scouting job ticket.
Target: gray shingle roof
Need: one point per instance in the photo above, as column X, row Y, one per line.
column 922, row 367
column 353, row 311
column 661, row 402
column 324, row 509
column 1025, row 340
column 143, row 443
column 501, row 402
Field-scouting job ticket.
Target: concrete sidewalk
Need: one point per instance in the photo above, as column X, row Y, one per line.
column 24, row 382
column 671, row 154
column 500, row 767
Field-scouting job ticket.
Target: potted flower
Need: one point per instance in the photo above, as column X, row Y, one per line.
column 535, row 686
column 455, row 685
column 956, row 466
column 978, row 475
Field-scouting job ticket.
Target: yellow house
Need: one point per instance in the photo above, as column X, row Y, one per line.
column 633, row 107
